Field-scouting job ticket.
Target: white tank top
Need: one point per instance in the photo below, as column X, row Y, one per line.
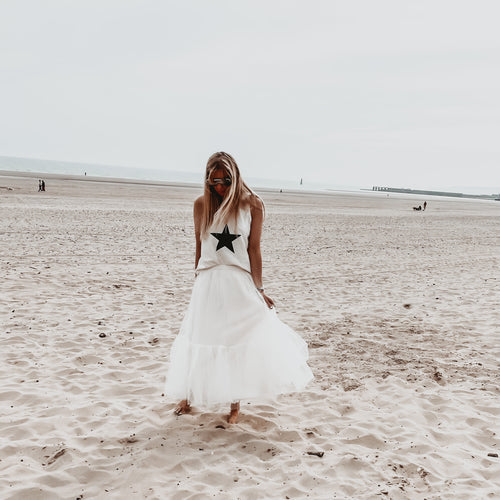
column 227, row 244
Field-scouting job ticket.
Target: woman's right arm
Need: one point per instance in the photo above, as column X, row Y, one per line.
column 197, row 214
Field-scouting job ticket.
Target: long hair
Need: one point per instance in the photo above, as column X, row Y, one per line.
column 214, row 207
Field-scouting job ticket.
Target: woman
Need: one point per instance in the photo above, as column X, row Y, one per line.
column 231, row 345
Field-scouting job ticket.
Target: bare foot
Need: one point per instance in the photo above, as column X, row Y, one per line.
column 182, row 407
column 232, row 418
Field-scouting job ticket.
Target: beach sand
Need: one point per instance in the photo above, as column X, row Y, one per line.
column 400, row 310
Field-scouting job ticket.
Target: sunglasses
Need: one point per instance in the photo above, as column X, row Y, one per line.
column 226, row 181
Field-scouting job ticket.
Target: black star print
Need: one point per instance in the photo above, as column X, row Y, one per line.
column 225, row 239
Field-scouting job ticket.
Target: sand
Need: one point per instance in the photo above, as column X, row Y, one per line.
column 400, row 310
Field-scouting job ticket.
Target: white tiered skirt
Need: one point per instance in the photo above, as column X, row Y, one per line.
column 231, row 346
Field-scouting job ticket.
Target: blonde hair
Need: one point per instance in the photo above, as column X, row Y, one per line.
column 213, row 207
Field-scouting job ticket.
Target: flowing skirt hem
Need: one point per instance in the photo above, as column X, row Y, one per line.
column 232, row 347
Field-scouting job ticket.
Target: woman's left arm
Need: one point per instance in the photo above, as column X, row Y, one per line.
column 254, row 253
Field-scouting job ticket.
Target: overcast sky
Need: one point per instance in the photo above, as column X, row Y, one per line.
column 399, row 93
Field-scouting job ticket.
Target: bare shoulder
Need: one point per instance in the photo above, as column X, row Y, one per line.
column 198, row 203
column 256, row 204
column 198, row 211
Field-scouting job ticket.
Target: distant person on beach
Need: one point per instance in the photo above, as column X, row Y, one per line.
column 425, row 205
column 231, row 344
column 43, row 185
column 39, row 185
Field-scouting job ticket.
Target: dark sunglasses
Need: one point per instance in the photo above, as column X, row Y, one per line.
column 226, row 181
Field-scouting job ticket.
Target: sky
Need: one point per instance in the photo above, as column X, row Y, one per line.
column 399, row 93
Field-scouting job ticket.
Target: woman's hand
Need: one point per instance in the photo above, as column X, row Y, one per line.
column 268, row 300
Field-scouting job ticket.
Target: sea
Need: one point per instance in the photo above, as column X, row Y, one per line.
column 39, row 166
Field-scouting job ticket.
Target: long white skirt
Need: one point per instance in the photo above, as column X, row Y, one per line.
column 231, row 346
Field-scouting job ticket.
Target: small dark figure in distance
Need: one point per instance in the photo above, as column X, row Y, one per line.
column 39, row 185
column 43, row 185
column 417, row 208
column 425, row 205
